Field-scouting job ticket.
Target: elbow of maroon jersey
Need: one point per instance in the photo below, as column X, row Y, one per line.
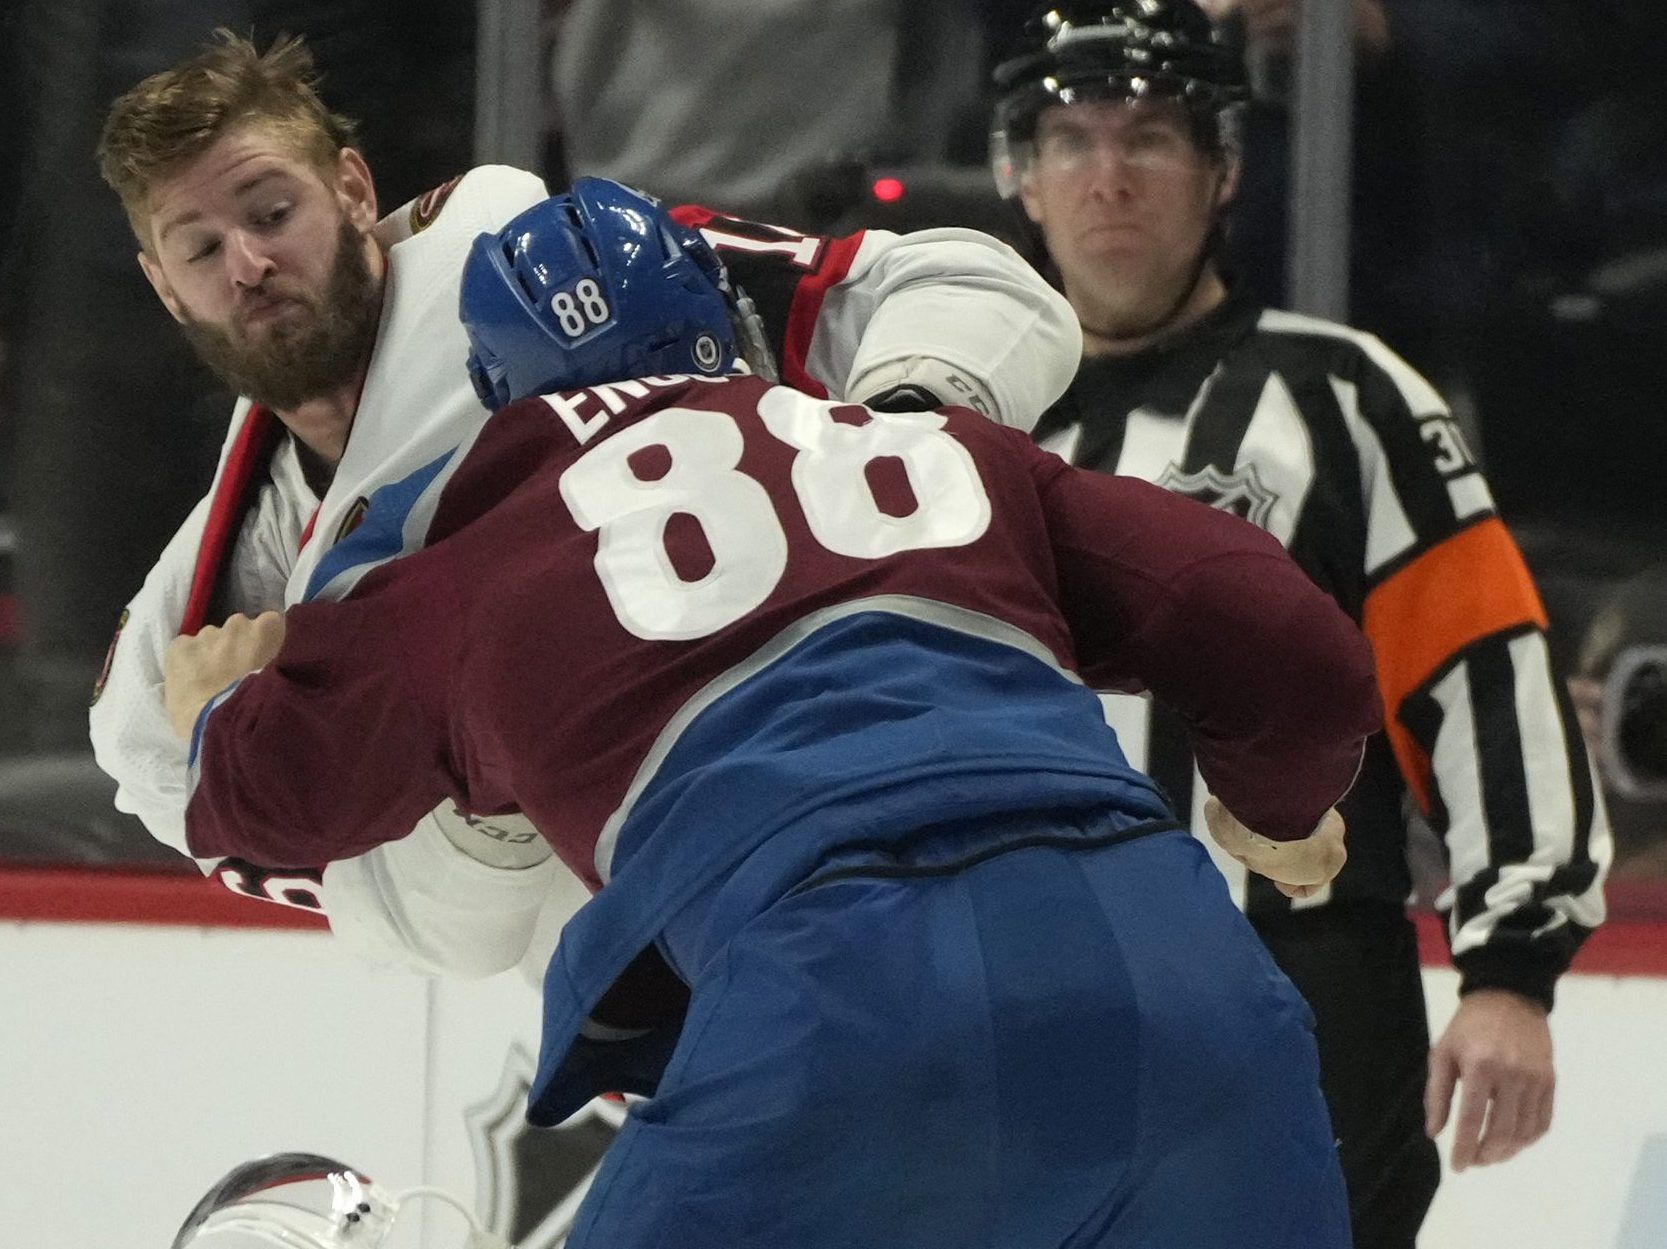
column 1317, row 713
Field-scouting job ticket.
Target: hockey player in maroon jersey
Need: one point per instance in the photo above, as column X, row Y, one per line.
column 805, row 692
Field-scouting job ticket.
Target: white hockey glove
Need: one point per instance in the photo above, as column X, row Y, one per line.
column 920, row 384
column 1297, row 868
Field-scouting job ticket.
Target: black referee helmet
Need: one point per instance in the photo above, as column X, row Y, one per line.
column 1084, row 50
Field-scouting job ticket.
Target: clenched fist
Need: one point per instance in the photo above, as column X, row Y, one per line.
column 1297, row 868
column 197, row 668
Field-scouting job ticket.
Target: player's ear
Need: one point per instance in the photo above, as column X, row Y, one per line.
column 355, row 189
column 1029, row 198
column 159, row 283
column 1228, row 187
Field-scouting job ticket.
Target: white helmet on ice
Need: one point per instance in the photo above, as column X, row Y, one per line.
column 304, row 1201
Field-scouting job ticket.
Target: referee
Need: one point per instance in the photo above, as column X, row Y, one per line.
column 1114, row 130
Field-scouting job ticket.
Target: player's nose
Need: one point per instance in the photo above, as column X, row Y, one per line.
column 1109, row 173
column 247, row 262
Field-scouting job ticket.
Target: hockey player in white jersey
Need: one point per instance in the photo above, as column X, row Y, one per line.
column 259, row 230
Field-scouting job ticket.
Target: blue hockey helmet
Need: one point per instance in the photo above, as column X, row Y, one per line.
column 597, row 285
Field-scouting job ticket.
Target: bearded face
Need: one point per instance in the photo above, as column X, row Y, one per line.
column 285, row 345
column 264, row 258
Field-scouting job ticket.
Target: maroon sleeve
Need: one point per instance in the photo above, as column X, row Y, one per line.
column 1210, row 615
column 323, row 754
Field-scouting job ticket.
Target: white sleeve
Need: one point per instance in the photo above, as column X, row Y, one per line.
column 422, row 903
column 133, row 740
column 956, row 297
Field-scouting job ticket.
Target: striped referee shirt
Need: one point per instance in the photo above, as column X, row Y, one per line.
column 1329, row 441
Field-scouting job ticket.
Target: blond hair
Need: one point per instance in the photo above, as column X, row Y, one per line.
column 171, row 118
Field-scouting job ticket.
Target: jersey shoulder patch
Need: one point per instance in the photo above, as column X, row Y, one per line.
column 109, row 658
column 426, row 207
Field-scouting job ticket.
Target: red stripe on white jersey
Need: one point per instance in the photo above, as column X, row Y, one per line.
column 249, row 453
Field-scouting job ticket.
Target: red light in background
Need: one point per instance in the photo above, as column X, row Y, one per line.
column 889, row 190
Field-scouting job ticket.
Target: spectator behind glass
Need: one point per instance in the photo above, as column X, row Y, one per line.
column 690, row 103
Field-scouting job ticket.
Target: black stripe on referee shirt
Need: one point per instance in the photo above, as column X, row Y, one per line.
column 1169, row 759
column 1490, row 676
column 1422, row 491
column 1329, row 538
column 1421, row 716
column 1229, row 404
column 1096, row 404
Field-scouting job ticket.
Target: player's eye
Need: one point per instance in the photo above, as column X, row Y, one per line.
column 203, row 252
column 274, row 216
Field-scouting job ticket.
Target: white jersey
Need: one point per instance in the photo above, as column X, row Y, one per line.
column 952, row 309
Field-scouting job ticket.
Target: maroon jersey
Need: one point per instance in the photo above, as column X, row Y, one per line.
column 679, row 621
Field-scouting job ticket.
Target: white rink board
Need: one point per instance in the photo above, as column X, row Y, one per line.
column 1599, row 1179
column 138, row 1063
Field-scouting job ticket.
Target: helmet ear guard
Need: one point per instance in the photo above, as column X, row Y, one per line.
column 598, row 285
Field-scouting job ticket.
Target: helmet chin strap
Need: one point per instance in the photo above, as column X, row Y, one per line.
column 479, row 1237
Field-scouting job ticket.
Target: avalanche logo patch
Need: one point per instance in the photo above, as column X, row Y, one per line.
column 529, row 1182
column 1240, row 492
column 426, row 207
column 109, row 658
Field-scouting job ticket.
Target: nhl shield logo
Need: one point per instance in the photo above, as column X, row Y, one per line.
column 531, row 1181
column 1240, row 492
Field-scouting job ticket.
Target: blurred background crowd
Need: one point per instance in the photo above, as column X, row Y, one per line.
column 1508, row 235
